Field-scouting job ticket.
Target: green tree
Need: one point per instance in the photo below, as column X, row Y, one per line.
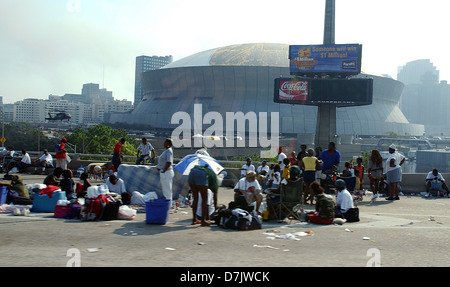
column 101, row 139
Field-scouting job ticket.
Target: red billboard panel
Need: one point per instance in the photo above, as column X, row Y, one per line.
column 293, row 90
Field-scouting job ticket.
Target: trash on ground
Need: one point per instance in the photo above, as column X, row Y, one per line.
column 169, row 248
column 92, row 250
column 366, row 238
column 265, row 246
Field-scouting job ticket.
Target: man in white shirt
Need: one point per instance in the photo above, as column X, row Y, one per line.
column 436, row 182
column 249, row 187
column 263, row 172
column 281, row 157
column 46, row 160
column 25, row 162
column 144, row 150
column 344, row 200
column 116, row 185
column 247, row 167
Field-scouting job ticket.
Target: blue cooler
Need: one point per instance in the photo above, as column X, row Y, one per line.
column 3, row 194
column 157, row 211
column 44, row 204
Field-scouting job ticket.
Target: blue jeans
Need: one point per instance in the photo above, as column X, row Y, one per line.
column 142, row 158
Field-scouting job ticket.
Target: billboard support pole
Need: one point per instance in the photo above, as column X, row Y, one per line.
column 326, row 114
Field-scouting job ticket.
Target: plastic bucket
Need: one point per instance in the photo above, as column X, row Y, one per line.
column 157, row 211
column 3, row 194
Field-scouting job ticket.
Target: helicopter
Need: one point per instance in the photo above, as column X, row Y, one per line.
column 60, row 116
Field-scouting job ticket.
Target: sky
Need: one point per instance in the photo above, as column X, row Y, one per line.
column 56, row 46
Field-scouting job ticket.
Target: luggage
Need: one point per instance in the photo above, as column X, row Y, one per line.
column 102, row 207
column 42, row 203
column 352, row 215
column 62, row 211
column 110, row 211
column 92, row 209
column 75, row 211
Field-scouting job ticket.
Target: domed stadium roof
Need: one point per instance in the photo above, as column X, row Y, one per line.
column 257, row 54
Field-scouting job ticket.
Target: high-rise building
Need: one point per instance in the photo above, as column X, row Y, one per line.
column 144, row 64
column 425, row 100
column 418, row 72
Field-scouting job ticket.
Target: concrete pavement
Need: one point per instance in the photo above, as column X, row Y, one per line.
column 410, row 232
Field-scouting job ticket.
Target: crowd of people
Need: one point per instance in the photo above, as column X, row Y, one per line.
column 318, row 168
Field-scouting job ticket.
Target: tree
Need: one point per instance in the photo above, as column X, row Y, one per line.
column 101, row 139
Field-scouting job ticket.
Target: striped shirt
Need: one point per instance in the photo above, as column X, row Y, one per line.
column 145, row 149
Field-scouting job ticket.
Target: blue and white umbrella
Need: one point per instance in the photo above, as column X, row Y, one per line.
column 188, row 162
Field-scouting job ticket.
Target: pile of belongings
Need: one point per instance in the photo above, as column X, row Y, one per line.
column 238, row 216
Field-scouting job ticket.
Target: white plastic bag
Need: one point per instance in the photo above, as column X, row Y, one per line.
column 126, row 213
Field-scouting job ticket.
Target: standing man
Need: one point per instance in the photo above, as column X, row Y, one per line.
column 165, row 168
column 117, row 157
column 281, row 157
column 144, row 150
column 394, row 171
column 330, row 159
column 61, row 156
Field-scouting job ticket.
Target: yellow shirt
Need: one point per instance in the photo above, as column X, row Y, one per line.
column 310, row 163
column 286, row 172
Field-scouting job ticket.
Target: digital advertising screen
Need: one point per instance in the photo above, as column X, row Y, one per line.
column 313, row 92
column 325, row 59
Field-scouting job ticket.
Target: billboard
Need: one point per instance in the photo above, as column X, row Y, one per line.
column 325, row 59
column 313, row 92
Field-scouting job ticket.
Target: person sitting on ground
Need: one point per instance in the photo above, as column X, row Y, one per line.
column 247, row 167
column 67, row 184
column 325, row 206
column 54, row 178
column 436, row 182
column 249, row 188
column 83, row 185
column 116, row 185
column 344, row 200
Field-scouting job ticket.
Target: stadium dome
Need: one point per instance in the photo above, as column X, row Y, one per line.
column 241, row 78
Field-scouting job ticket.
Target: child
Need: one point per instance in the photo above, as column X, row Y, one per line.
column 360, row 168
column 83, row 185
column 67, row 184
column 287, row 166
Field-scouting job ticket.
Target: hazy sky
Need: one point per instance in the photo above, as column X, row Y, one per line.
column 56, row 46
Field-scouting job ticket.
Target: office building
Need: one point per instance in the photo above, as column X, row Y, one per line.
column 144, row 64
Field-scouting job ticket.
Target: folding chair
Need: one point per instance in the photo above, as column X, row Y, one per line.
column 291, row 199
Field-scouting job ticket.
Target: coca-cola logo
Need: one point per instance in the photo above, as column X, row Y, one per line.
column 294, row 86
column 294, row 90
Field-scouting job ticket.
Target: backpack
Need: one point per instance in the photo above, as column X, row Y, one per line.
column 352, row 215
column 58, row 147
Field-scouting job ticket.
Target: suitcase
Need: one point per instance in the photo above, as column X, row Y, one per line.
column 110, row 211
column 75, row 211
column 62, row 211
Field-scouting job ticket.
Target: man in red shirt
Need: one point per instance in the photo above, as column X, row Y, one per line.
column 116, row 159
column 61, row 157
